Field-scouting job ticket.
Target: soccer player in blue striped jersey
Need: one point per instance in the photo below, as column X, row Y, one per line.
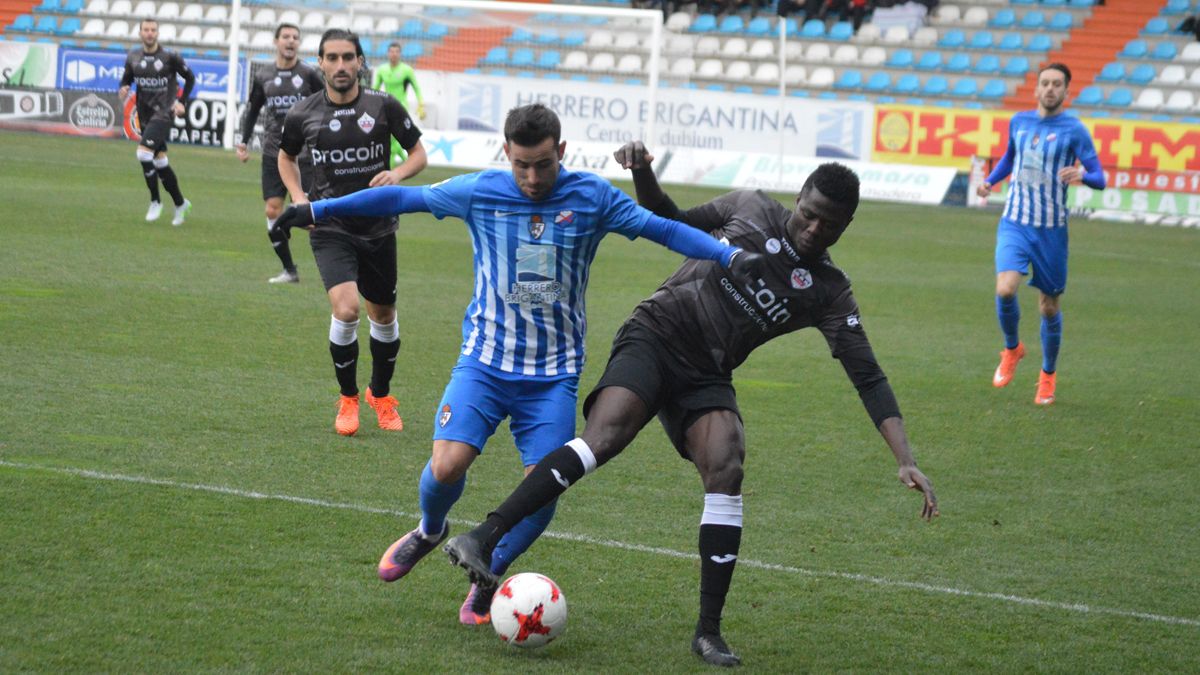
column 1045, row 148
column 534, row 230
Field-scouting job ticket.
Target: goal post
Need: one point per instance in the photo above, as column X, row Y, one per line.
column 524, row 46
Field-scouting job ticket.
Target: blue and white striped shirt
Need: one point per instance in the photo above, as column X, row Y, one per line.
column 1038, row 148
column 532, row 261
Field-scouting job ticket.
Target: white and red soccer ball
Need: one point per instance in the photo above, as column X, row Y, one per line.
column 529, row 610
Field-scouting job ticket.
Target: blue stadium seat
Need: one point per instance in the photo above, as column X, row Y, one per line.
column 982, row 40
column 988, row 64
column 573, row 38
column 496, row 56
column 879, row 81
column 412, row 51
column 1120, row 97
column 1023, row 2
column 1061, row 21
column 944, row 103
column 1165, row 51
column 758, row 26
column 1177, row 7
column 703, row 23
column 1017, row 66
column 93, row 44
column 69, row 26
column 935, row 86
column 1054, row 3
column 930, row 61
column 952, row 39
column 497, row 72
column 1004, row 18
column 732, row 24
column 743, row 89
column 546, row 37
column 901, row 58
column 1156, row 26
column 580, row 77
column 526, row 74
column 435, row 31
column 993, row 89
column 1112, row 72
column 1135, row 49
column 1141, row 74
column 72, row 6
column 958, row 63
column 213, row 54
column 885, row 99
column 412, row 29
column 552, row 76
column 715, row 86
column 907, row 84
column 47, row 6
column 549, row 59
column 518, row 36
column 522, row 58
column 813, row 28
column 367, row 45
column 1010, row 42
column 1033, row 20
column 827, row 95
column 791, row 27
column 965, row 86
column 1091, row 95
column 850, row 79
column 841, row 31
column 46, row 24
column 973, row 105
column 1082, row 3
column 635, row 81
column 1039, row 42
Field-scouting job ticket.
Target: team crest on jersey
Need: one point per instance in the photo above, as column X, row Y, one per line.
column 334, row 125
column 567, row 217
column 278, row 81
column 444, row 418
column 536, row 226
column 773, row 245
column 1034, row 142
column 1050, row 137
column 158, row 65
column 801, row 278
column 297, row 81
column 366, row 123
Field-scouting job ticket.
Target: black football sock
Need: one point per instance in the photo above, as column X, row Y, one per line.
column 151, row 176
column 345, row 366
column 167, row 174
column 383, row 364
column 279, row 242
column 550, row 478
column 718, row 554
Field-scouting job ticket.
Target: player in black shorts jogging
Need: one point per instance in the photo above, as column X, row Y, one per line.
column 675, row 355
column 154, row 70
column 278, row 87
column 347, row 130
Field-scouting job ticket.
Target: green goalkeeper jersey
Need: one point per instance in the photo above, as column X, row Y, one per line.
column 396, row 80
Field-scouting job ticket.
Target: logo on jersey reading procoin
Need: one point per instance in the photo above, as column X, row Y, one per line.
column 567, row 217
column 297, row 81
column 801, row 278
column 334, row 125
column 444, row 418
column 366, row 123
column 536, row 226
column 773, row 245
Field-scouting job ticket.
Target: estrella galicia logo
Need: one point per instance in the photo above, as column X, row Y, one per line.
column 91, row 113
column 536, row 226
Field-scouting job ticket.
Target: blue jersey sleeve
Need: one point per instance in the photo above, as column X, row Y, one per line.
column 452, row 197
column 380, row 201
column 1085, row 150
column 1005, row 166
column 621, row 214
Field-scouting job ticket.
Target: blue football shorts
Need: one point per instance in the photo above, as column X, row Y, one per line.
column 541, row 411
column 1021, row 247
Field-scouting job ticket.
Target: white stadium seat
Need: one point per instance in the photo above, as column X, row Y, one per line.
column 685, row 67
column 679, row 21
column 947, row 14
column 312, row 21
column 1149, row 99
column 603, row 62
column 145, row 8
column 819, row 51
column 293, row 17
column 925, row 36
column 575, row 61
column 896, row 35
column 190, row 35
column 680, row 44
column 168, row 10
column 737, row 71
column 600, row 39
column 628, row 40
column 118, row 28
column 310, row 42
column 766, row 73
column 734, row 48
column 975, row 16
column 120, row 8
column 845, row 54
column 1180, row 101
column 97, row 7
column 762, row 49
column 869, row 32
column 821, row 77
column 1190, row 53
column 192, row 12
column 874, row 56
column 264, row 17
column 795, row 75
column 793, row 50
column 710, row 69
column 93, row 27
column 629, row 64
column 214, row 36
column 167, row 32
column 388, row 25
column 1194, row 78
column 363, row 24
column 263, row 39
column 708, row 45
column 1172, row 74
column 217, row 14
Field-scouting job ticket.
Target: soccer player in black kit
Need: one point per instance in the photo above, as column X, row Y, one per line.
column 347, row 130
column 675, row 356
column 278, row 87
column 154, row 70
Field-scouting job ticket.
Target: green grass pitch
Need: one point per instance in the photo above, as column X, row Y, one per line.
column 175, row 499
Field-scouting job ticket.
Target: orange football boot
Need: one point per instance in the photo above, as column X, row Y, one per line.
column 1008, row 365
column 385, row 410
column 347, row 416
column 1045, row 392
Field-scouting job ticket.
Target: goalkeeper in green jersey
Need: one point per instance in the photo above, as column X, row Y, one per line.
column 395, row 77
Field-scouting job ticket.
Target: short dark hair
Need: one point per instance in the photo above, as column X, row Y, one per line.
column 394, row 44
column 339, row 34
column 837, row 182
column 531, row 124
column 1060, row 67
column 150, row 19
column 280, row 27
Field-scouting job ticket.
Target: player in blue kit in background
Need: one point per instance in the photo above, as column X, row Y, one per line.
column 534, row 230
column 1044, row 146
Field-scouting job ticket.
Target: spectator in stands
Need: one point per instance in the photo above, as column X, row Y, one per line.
column 1191, row 25
column 856, row 9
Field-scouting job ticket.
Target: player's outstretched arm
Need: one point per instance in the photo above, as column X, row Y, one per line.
column 892, row 430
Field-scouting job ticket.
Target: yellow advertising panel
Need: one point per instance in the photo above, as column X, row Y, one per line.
column 950, row 136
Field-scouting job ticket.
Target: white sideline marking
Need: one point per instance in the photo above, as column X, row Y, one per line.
column 610, row 543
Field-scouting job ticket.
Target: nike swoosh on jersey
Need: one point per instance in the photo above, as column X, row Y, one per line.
column 558, row 477
column 505, row 214
column 721, row 560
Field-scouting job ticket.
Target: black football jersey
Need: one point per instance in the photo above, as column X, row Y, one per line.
column 154, row 76
column 714, row 322
column 277, row 89
column 348, row 144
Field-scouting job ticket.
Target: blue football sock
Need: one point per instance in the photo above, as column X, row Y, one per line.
column 1051, row 339
column 520, row 538
column 1009, row 313
column 437, row 499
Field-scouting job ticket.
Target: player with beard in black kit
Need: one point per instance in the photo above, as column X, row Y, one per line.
column 675, row 355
